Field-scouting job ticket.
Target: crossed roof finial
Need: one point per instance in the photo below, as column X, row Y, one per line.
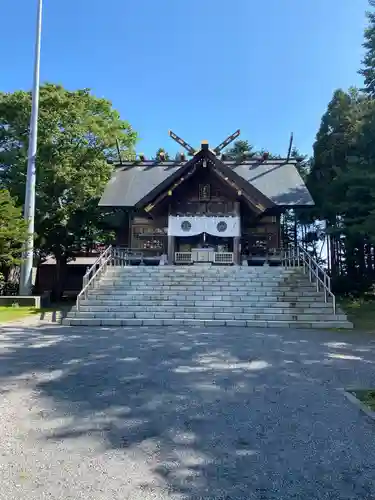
column 193, row 151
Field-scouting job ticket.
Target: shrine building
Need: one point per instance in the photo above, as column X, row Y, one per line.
column 205, row 206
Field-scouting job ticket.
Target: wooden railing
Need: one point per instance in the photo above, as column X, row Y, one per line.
column 224, row 258
column 218, row 258
column 183, row 257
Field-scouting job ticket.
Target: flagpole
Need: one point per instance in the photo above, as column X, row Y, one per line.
column 29, row 208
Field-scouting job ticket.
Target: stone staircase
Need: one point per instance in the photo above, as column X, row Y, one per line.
column 206, row 296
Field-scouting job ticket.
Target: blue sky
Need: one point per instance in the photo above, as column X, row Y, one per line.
column 202, row 68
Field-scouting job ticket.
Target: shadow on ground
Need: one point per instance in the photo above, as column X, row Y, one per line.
column 219, row 414
column 56, row 312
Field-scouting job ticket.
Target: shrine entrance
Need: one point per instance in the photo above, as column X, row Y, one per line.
column 204, row 239
column 203, row 246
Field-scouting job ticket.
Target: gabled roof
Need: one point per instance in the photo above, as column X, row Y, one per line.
column 254, row 198
column 177, row 175
column 279, row 180
column 259, row 201
column 136, row 182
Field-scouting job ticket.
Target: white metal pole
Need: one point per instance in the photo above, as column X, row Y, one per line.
column 29, row 208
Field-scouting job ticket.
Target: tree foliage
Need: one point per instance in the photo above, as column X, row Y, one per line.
column 12, row 232
column 243, row 149
column 159, row 152
column 368, row 61
column 240, row 150
column 341, row 178
column 342, row 182
column 77, row 135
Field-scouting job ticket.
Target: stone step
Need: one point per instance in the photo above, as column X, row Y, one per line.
column 215, row 271
column 105, row 304
column 201, row 290
column 186, row 283
column 277, row 307
column 216, row 283
column 267, row 316
column 211, row 278
column 180, row 300
column 200, row 323
column 190, row 291
column 202, row 276
column 174, row 277
column 192, row 274
column 197, row 277
column 196, row 297
column 189, row 281
column 206, row 296
column 203, row 269
column 199, row 303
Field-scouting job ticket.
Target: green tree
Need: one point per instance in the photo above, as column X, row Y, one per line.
column 12, row 232
column 368, row 61
column 341, row 178
column 342, row 181
column 159, row 152
column 240, row 150
column 77, row 136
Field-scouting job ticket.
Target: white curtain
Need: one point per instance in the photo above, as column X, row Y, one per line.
column 216, row 226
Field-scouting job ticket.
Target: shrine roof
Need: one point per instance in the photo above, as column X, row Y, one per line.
column 278, row 180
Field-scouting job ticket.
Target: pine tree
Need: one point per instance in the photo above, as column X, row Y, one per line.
column 163, row 152
column 342, row 182
column 240, row 150
column 368, row 62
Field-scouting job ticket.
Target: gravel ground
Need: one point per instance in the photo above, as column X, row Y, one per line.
column 184, row 414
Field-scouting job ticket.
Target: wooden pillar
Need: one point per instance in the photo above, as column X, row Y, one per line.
column 237, row 239
column 279, row 232
column 130, row 229
column 171, row 245
column 236, row 250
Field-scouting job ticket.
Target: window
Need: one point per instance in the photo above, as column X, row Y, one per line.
column 204, row 192
column 148, row 238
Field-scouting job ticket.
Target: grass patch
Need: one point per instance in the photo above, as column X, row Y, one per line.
column 10, row 313
column 360, row 312
column 366, row 397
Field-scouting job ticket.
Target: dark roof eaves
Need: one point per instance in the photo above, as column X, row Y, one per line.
column 149, row 163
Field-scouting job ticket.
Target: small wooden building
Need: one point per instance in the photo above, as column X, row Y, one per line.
column 206, row 208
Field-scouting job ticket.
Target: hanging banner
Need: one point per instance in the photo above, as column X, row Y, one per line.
column 223, row 226
column 215, row 226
